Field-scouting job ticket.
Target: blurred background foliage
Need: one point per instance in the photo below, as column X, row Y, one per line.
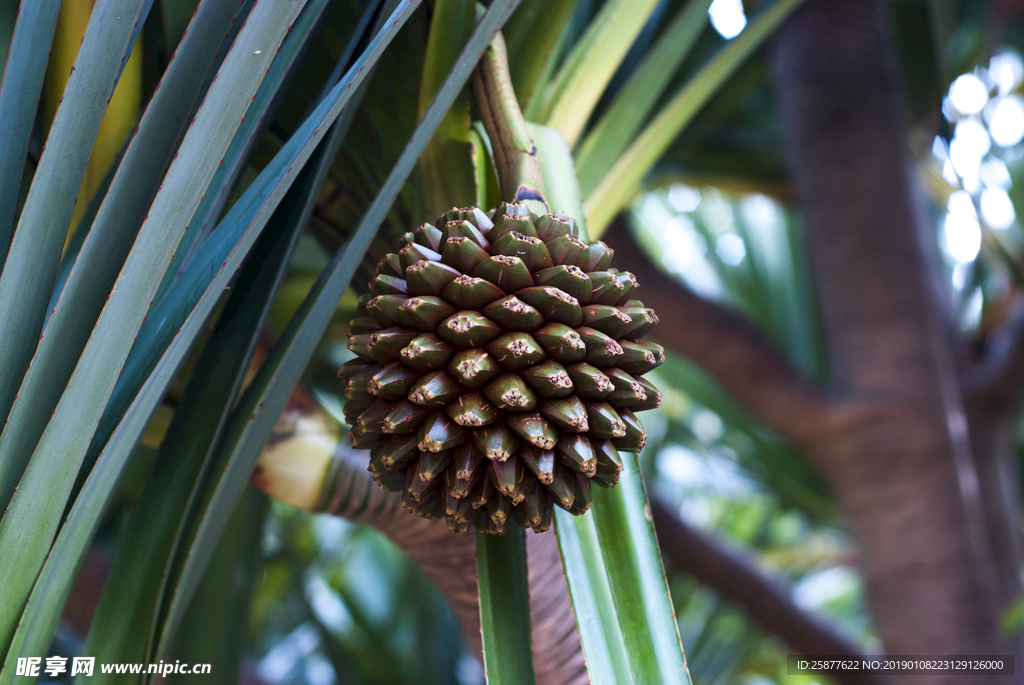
column 333, row 602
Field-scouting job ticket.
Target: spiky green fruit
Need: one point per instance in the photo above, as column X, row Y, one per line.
column 498, row 366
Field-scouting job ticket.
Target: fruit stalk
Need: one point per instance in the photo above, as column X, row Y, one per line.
column 515, row 155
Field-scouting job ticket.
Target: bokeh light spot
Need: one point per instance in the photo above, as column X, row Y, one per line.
column 963, row 237
column 683, row 198
column 997, row 208
column 1007, row 121
column 1007, row 71
column 730, row 249
column 728, row 18
column 968, row 94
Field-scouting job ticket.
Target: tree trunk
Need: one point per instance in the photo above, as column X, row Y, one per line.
column 901, row 467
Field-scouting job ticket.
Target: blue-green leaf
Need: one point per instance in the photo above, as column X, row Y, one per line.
column 633, row 105
column 504, row 607
column 248, row 217
column 19, row 98
column 247, row 134
column 154, row 534
column 592, row 600
column 35, row 510
column 110, row 237
column 265, row 398
column 35, row 251
column 168, row 312
column 618, row 185
column 637, row 581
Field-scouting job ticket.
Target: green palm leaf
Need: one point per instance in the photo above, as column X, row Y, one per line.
column 632, row 106
column 636, row 579
column 576, row 88
column 251, row 212
column 42, row 226
column 504, row 603
column 19, row 98
column 610, row 554
column 592, row 600
column 252, row 421
column 35, row 509
column 110, row 237
column 611, row 195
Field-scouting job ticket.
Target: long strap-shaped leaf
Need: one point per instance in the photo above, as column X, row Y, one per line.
column 167, row 314
column 620, row 183
column 558, row 171
column 531, row 38
column 19, row 99
column 133, row 373
column 592, row 601
column 147, row 5
column 35, row 250
column 251, row 212
column 581, row 80
column 262, row 109
column 127, row 616
column 211, row 633
column 446, row 164
column 253, row 420
column 610, row 553
column 504, row 607
column 74, row 245
column 36, row 507
column 110, row 237
column 634, row 103
column 126, row 619
column 637, row 580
